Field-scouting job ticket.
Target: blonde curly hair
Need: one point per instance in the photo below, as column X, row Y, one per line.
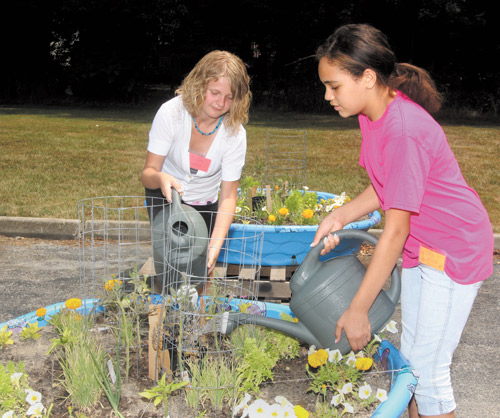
column 211, row 67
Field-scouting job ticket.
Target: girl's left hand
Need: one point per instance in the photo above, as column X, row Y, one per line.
column 356, row 327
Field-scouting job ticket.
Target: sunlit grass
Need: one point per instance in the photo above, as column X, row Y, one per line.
column 50, row 158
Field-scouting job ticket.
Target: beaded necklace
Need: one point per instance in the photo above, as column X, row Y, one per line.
column 210, row 133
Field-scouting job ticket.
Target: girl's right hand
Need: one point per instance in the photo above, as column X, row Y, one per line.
column 327, row 225
column 167, row 183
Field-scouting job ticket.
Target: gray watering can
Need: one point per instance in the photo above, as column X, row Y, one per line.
column 180, row 242
column 321, row 292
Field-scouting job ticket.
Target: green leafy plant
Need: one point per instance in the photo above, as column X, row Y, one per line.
column 127, row 309
column 31, row 332
column 5, row 339
column 258, row 350
column 112, row 389
column 212, row 379
column 83, row 361
column 13, row 381
column 68, row 325
column 162, row 391
column 80, row 373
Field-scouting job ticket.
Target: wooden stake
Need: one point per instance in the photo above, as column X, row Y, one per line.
column 269, row 202
column 157, row 356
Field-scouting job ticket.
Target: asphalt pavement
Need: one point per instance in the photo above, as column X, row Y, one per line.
column 40, row 266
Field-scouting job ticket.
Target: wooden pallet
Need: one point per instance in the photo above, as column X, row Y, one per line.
column 270, row 283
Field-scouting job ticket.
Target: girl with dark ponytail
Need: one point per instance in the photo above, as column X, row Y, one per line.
column 432, row 216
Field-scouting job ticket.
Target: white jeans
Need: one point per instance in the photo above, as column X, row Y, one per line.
column 434, row 311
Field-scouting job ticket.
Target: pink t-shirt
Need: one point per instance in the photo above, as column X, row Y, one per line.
column 412, row 168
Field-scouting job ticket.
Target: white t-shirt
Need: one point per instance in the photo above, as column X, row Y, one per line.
column 170, row 135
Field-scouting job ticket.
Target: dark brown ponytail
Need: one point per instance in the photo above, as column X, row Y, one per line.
column 356, row 47
column 418, row 85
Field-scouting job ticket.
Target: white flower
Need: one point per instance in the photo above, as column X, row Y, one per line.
column 169, row 300
column 305, row 188
column 288, row 411
column 238, row 209
column 347, row 388
column 336, row 399
column 282, row 401
column 381, row 395
column 188, row 293
column 15, row 378
column 391, row 327
column 276, row 411
column 377, row 338
column 351, row 359
column 338, row 201
column 365, row 392
column 36, row 410
column 334, row 356
column 264, row 208
column 259, row 408
column 33, row 397
column 329, row 208
column 243, row 405
column 348, row 408
column 9, row 414
column 312, row 349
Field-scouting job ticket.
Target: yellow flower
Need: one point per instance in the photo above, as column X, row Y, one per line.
column 111, row 283
column 271, row 218
column 41, row 312
column 283, row 211
column 73, row 303
column 300, row 412
column 308, row 213
column 363, row 363
column 318, row 358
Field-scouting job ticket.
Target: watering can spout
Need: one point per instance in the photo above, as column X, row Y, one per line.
column 231, row 320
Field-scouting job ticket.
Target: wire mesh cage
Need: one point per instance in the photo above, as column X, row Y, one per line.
column 286, row 159
column 186, row 343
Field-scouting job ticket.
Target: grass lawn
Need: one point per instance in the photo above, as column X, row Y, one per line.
column 52, row 157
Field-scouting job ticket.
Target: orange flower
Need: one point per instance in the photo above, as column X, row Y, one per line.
column 283, row 211
column 271, row 218
column 111, row 283
column 318, row 358
column 73, row 303
column 41, row 312
column 363, row 363
column 308, row 213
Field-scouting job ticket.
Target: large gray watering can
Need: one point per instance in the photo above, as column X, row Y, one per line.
column 180, row 242
column 321, row 292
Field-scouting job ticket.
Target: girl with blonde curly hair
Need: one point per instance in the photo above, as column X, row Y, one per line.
column 197, row 144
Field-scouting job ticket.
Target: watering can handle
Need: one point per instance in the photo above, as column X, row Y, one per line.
column 176, row 198
column 393, row 292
